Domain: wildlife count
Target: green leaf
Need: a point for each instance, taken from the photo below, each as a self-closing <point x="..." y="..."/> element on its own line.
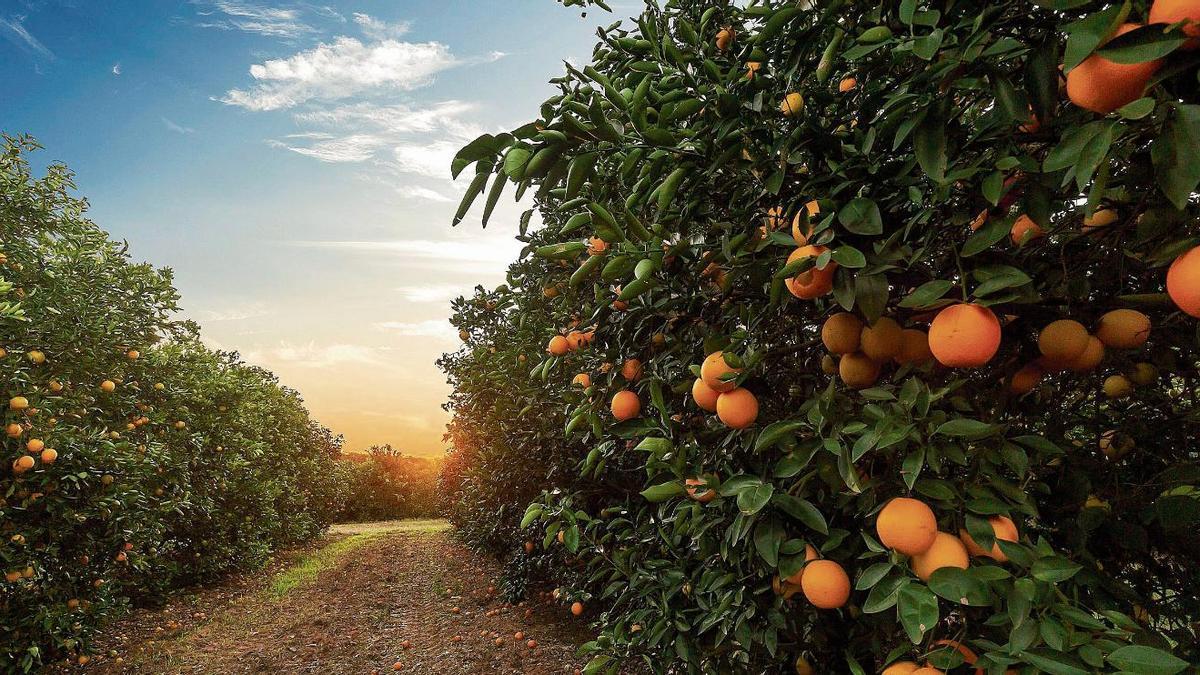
<point x="1053" y="569"/>
<point x="917" y="608"/>
<point x="775" y="432"/>
<point x="663" y="491"/>
<point x="927" y="294"/>
<point x="929" y="142"/>
<point x="861" y="216"/>
<point x="960" y="586"/>
<point x="1085" y="35"/>
<point x="514" y="162"/>
<point x="850" y="257"/>
<point x="1174" y="155"/>
<point x="752" y="500"/>
<point x="1142" y="44"/>
<point x="967" y="428"/>
<point x="1146" y="660"/>
<point x="802" y="510"/>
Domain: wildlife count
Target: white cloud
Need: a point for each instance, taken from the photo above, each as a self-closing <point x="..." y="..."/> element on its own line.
<point x="312" y="355"/>
<point x="14" y="30"/>
<point x="435" y="328"/>
<point x="251" y="18"/>
<point x="354" y="148"/>
<point x="438" y="293"/>
<point x="344" y="68"/>
<point x="418" y="192"/>
<point x="175" y="127"/>
<point x="430" y="159"/>
<point x="380" y="30"/>
<point x="395" y="119"/>
<point x="116" y="69"/>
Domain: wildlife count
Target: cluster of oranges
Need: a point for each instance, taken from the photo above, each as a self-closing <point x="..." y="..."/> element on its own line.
<point x="864" y="349"/>
<point x="716" y="390"/>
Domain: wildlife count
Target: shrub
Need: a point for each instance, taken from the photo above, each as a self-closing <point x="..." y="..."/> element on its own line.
<point x="383" y="484"/>
<point x="901" y="161"/>
<point x="135" y="459"/>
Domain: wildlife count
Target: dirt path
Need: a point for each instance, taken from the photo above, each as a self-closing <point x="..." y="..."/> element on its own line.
<point x="365" y="598"/>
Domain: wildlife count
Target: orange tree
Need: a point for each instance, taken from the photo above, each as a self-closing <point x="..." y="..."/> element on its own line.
<point x="134" y="459"/>
<point x="915" y="257"/>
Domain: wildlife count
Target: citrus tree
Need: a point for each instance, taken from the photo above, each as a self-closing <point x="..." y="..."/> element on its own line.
<point x="865" y="338"/>
<point x="134" y="459"/>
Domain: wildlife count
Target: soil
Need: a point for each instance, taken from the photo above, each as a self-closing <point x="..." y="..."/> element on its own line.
<point x="405" y="599"/>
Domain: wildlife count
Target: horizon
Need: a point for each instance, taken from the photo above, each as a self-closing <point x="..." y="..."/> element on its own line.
<point x="290" y="163"/>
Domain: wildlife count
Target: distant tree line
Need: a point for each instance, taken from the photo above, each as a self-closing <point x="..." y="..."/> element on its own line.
<point x="383" y="483"/>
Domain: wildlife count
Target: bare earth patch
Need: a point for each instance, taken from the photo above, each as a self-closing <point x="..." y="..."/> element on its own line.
<point x="369" y="596"/>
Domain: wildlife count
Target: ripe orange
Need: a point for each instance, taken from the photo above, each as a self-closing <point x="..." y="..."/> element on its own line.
<point x="18" y="403"/>
<point x="577" y="340"/>
<point x="576" y="608"/>
<point x="597" y="246"/>
<point x="631" y="370"/>
<point x="947" y="551"/>
<point x="558" y="346"/>
<point x="1117" y="386"/>
<point x="35" y="445"/>
<point x="1025" y="379"/>
<point x="1002" y="528"/>
<point x="462" y="335"/>
<point x="829" y="365"/>
<point x="1143" y="374"/>
<point x="1123" y="329"/>
<point x="1102" y="86"/>
<point x="914" y="347"/>
<point x="1063" y="340"/>
<point x="1101" y="218"/>
<point x="881" y="340"/>
<point x="906" y="525"/>
<point x="813" y="282"/>
<point x="713" y="368"/>
<point x="799" y="233"/>
<point x="582" y="379"/>
<point x="724" y="38"/>
<point x="108" y="386"/>
<point x="1183" y="281"/>
<point x="803" y="667"/>
<point x="900" y="668"/>
<point x="858" y="371"/>
<point x="964" y="336"/>
<point x="792" y="104"/>
<point x="841" y="333"/>
<point x="133" y="354"/>
<point x="1025" y="230"/>
<point x="1174" y="11"/>
<point x="625" y="405"/>
<point x="737" y="408"/>
<point x="696" y="490"/>
<point x="13" y="430"/>
<point x="704" y="395"/>
<point x="1091" y="356"/>
<point x="37" y="357"/>
<point x="23" y="464"/>
<point x="825" y="584"/>
<point x="55" y="386"/>
<point x="847" y="84"/>
<point x="49" y="456"/>
<point x="927" y="670"/>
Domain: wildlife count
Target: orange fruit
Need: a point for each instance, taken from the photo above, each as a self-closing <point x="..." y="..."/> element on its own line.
<point x="858" y="371"/>
<point x="1025" y="230"/>
<point x="1102" y="86"/>
<point x="724" y="38"/>
<point x="829" y="365"/>
<point x="576" y="608"/>
<point x="18" y="403"/>
<point x="1174" y="11"/>
<point x="1063" y="340"/>
<point x="800" y="233"/>
<point x="1117" y="386"/>
<point x="752" y="67"/>
<point x="13" y="430"/>
<point x="947" y="551"/>
<point x="964" y="336"/>
<point x="597" y="246"/>
<point x="738" y="408"/>
<point x="914" y="347"/>
<point x="1025" y="379"/>
<point x="792" y="104"/>
<point x="626" y="405"/>
<point x="881" y="340"/>
<point x="1123" y="329"/>
<point x="713" y="368"/>
<point x="133" y="354"/>
<point x="704" y="395"/>
<point x="813" y="282"/>
<point x="1091" y="356"/>
<point x="49" y="456"/>
<point x="1099" y="219"/>
<point x="558" y="346"/>
<point x="582" y="379"/>
<point x="697" y="490"/>
<point x="577" y="340"/>
<point x="847" y="84"/>
<point x="803" y="667"/>
<point x="631" y="370"/>
<point x="1143" y="374"/>
<point x="1183" y="282"/>
<point x="35" y="445"/>
<point x="841" y="332"/>
<point x="108" y="386"/>
<point x="900" y="668"/>
<point x="1002" y="528"/>
<point x="23" y="464"/>
<point x="825" y="584"/>
<point x="906" y="525"/>
<point x="927" y="670"/>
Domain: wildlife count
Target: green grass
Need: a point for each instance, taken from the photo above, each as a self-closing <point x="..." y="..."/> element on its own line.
<point x="385" y="526"/>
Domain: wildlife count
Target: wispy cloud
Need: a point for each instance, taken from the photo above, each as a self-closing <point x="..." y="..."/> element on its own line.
<point x="418" y="192"/>
<point x="353" y="148"/>
<point x="380" y="30"/>
<point x="432" y="293"/>
<point x="13" y="29"/>
<point x="234" y="313"/>
<point x="176" y="127"/>
<point x="251" y="18"/>
<point x="116" y="69"/>
<point x="435" y="328"/>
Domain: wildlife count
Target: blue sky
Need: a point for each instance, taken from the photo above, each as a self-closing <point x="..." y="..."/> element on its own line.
<point x="289" y="160"/>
